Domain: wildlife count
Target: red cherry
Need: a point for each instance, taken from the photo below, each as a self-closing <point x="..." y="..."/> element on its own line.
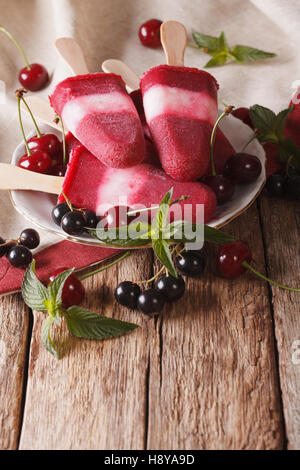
<point x="48" y="143"/>
<point x="35" y="78"/>
<point x="39" y="162"/>
<point x="58" y="170"/>
<point x="243" y="168"/>
<point x="149" y="33"/>
<point x="73" y="292"/>
<point x="230" y="259"/>
<point x="116" y="217"/>
<point x="221" y="186"/>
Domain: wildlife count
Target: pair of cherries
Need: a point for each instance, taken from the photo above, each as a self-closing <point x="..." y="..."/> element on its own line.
<point x="44" y="152"/>
<point x="241" y="168"/>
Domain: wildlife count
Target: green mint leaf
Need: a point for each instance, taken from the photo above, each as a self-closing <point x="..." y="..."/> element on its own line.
<point x="33" y="291"/>
<point x="53" y="311"/>
<point x="178" y="230"/>
<point x="249" y="54"/>
<point x="162" y="251"/>
<point x="135" y="234"/>
<point x="162" y="214"/>
<point x="203" y="41"/>
<point x="55" y="288"/>
<point x="218" y="60"/>
<point x="281" y="122"/>
<point x="287" y="149"/>
<point x="223" y="45"/>
<point x="46" y="338"/>
<point x="85" y="324"/>
<point x="264" y="120"/>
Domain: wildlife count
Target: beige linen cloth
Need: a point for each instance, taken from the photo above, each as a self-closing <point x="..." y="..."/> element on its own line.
<point x="108" y="29"/>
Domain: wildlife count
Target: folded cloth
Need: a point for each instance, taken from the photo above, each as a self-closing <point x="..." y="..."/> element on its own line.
<point x="63" y="254"/>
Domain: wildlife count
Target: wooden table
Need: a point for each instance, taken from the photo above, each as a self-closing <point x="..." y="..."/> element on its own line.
<point x="218" y="370"/>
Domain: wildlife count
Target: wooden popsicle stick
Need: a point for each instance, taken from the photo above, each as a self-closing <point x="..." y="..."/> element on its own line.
<point x="118" y="67"/>
<point x="42" y="111"/>
<point x="173" y="37"/>
<point x="13" y="177"/>
<point x="72" y="54"/>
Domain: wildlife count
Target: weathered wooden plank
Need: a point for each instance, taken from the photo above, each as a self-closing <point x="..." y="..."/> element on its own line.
<point x="213" y="378"/>
<point x="281" y="228"/>
<point x="14" y="321"/>
<point x="95" y="396"/>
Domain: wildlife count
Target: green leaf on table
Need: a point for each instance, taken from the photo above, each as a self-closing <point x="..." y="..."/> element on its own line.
<point x="33" y="291"/>
<point x="221" y="53"/>
<point x="211" y="43"/>
<point x="249" y="54"/>
<point x="162" y="250"/>
<point x="55" y="287"/>
<point x="85" y="324"/>
<point x="46" y="336"/>
<point x="179" y="230"/>
<point x="218" y="60"/>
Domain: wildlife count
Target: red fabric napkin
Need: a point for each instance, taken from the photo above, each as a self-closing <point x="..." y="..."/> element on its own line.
<point x="79" y="256"/>
<point x="63" y="254"/>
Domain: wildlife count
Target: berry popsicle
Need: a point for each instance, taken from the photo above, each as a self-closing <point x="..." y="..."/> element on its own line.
<point x="91" y="185"/>
<point x="181" y="108"/>
<point x="100" y="114"/>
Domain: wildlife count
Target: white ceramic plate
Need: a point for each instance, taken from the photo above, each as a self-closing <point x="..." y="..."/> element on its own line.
<point x="36" y="206"/>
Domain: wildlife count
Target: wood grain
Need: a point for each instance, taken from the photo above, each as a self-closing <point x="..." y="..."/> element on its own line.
<point x="14" y="321"/>
<point x="281" y="227"/>
<point x="213" y="380"/>
<point x="95" y="396"/>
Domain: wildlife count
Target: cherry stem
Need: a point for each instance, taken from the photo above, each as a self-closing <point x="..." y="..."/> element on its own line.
<point x="17" y="44"/>
<point x="22" y="128"/>
<point x="247" y="266"/>
<point x="38" y="132"/>
<point x="85" y="276"/>
<point x="64" y="139"/>
<point x="249" y="142"/>
<point x="227" y="111"/>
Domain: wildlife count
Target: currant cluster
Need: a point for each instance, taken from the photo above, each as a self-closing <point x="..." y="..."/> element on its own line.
<point x="18" y="251"/>
<point x="73" y="221"/>
<point x="284" y="184"/>
<point x="166" y="287"/>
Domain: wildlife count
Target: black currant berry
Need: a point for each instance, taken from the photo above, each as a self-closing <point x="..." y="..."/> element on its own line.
<point x="19" y="256"/>
<point x="73" y="223"/>
<point x="276" y="185"/>
<point x="5" y="248"/>
<point x="172" y="288"/>
<point x="150" y="301"/>
<point x="91" y="220"/>
<point x="59" y="211"/>
<point x="127" y="293"/>
<point x="292" y="186"/>
<point x="191" y="263"/>
<point x="29" y="238"/>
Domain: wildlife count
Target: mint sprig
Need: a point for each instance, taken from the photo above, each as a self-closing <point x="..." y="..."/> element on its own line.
<point x="270" y="128"/>
<point x="221" y="53"/>
<point x="80" y="322"/>
<point x="161" y="234"/>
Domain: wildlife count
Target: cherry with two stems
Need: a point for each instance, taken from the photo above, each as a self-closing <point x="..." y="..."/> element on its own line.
<point x="38" y="161"/>
<point x="33" y="77"/>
